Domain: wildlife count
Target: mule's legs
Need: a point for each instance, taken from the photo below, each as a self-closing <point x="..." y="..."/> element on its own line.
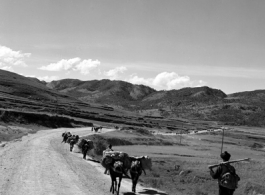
<point x="111" y="187"/>
<point x="135" y="182"/>
<point x="119" y="185"/>
<point x="84" y="153"/>
<point x="71" y="147"/>
<point x="114" y="186"/>
<point x="113" y="181"/>
<point x="135" y="178"/>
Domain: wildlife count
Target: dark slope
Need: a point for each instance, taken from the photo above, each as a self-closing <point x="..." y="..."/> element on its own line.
<point x="102" y="91"/>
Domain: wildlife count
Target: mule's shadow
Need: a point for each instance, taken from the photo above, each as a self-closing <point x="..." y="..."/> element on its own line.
<point x="147" y="192"/>
<point x="128" y="193"/>
<point x="93" y="160"/>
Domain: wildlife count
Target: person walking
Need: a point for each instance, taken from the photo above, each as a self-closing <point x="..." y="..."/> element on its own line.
<point x="226" y="175"/>
<point x="108" y="149"/>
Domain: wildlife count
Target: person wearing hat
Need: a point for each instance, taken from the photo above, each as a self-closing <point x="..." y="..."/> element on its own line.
<point x="220" y="171"/>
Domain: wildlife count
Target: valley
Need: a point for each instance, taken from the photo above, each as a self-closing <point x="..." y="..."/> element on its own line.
<point x="181" y="130"/>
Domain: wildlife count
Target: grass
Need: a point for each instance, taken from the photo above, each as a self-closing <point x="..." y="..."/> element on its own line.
<point x="183" y="169"/>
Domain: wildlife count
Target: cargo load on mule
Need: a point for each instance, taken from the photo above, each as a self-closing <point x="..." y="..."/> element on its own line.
<point x="146" y="161"/>
<point x="69" y="139"/>
<point x="81" y="142"/>
<point x="109" y="157"/>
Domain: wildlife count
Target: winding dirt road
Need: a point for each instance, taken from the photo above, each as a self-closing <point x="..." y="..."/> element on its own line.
<point x="40" y="164"/>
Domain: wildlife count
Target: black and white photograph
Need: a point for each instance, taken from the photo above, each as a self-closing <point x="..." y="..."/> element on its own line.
<point x="132" y="97"/>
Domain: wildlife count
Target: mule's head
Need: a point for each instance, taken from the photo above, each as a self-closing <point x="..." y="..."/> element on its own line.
<point x="146" y="162"/>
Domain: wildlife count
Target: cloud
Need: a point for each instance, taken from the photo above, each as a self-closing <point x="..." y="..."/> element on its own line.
<point x="74" y="64"/>
<point x="114" y="73"/>
<point x="48" y="78"/>
<point x="8" y="68"/>
<point x="166" y="81"/>
<point x="86" y="66"/>
<point x="62" y="65"/>
<point x="44" y="78"/>
<point x="138" y="80"/>
<point x="9" y="58"/>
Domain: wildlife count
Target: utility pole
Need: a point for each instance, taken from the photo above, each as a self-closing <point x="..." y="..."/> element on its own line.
<point x="222" y="140"/>
<point x="181" y="133"/>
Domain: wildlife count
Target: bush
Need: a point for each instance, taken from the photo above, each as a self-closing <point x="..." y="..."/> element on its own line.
<point x="99" y="147"/>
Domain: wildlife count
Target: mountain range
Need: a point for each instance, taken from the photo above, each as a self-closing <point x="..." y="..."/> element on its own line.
<point x="108" y="96"/>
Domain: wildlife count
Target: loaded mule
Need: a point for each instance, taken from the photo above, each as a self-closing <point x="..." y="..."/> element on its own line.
<point x="65" y="136"/>
<point x="87" y="146"/>
<point x="139" y="164"/>
<point x="96" y="129"/>
<point x="83" y="146"/>
<point x="73" y="140"/>
<point x="117" y="163"/>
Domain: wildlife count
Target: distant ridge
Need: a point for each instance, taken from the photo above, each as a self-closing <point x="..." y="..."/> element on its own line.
<point x="71" y="96"/>
<point x="204" y="103"/>
<point x="101" y="90"/>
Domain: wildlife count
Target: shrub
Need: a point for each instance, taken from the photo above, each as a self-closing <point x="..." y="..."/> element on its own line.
<point x="99" y="147"/>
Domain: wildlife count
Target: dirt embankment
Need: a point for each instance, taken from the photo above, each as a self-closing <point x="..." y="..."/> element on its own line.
<point x="51" y="121"/>
<point x="11" y="123"/>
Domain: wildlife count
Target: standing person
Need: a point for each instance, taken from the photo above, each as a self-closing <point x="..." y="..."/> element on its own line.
<point x="226" y="175"/>
<point x="108" y="149"/>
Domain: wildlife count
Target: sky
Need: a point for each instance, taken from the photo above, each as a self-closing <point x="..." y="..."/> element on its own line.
<point x="164" y="44"/>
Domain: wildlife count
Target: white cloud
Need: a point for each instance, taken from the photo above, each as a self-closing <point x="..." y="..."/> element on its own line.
<point x="166" y="81"/>
<point x="114" y="73"/>
<point x="8" y="68"/>
<point x="48" y="78"/>
<point x="74" y="64"/>
<point x="44" y="78"/>
<point x="138" y="80"/>
<point x="86" y="66"/>
<point x="9" y="58"/>
<point x="62" y="65"/>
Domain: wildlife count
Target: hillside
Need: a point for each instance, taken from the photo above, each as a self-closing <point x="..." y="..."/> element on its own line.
<point x="102" y="91"/>
<point x="203" y="103"/>
<point x="125" y="104"/>
<point x="27" y="101"/>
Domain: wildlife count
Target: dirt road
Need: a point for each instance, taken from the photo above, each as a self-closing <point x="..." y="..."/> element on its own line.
<point x="40" y="164"/>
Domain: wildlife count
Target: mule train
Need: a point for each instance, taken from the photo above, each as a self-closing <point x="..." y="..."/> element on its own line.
<point x="116" y="162"/>
<point x="78" y="145"/>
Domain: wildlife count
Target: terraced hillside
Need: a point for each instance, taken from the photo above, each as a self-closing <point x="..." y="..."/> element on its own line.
<point x="201" y="103"/>
<point x="28" y="102"/>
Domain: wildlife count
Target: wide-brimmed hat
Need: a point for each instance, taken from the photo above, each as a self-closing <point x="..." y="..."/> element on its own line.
<point x="225" y="156"/>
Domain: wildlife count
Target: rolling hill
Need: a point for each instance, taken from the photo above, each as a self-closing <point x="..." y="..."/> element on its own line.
<point x="203" y="103"/>
<point x="71" y="102"/>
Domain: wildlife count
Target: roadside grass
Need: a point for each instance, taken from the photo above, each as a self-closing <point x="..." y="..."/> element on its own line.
<point x="183" y="169"/>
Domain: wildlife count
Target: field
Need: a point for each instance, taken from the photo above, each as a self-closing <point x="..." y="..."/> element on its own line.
<point x="182" y="168"/>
